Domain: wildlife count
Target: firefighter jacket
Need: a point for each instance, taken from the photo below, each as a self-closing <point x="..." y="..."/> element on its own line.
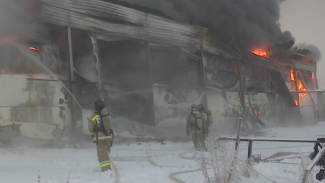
<point x="196" y="122"/>
<point x="95" y="128"/>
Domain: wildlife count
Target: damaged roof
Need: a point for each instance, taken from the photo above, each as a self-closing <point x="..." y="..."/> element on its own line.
<point x="107" y="20"/>
<point x="112" y="22"/>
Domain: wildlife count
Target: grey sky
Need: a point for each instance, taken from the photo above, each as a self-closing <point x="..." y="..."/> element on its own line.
<point x="305" y="19"/>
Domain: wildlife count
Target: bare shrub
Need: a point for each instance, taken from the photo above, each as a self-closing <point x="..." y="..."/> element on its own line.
<point x="221" y="159"/>
<point x="204" y="168"/>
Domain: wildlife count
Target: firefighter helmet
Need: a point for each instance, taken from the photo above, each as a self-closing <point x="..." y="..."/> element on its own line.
<point x="99" y="105"/>
<point x="194" y="107"/>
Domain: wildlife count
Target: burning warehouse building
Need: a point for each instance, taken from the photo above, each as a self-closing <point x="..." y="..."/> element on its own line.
<point x="150" y="62"/>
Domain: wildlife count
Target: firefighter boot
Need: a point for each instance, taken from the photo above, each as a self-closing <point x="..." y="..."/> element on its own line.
<point x="106" y="166"/>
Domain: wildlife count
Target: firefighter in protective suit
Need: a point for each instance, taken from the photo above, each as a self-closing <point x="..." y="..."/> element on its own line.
<point x="206" y="114"/>
<point x="195" y="124"/>
<point x="102" y="133"/>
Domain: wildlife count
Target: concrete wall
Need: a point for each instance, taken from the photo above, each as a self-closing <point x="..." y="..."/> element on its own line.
<point x="33" y="108"/>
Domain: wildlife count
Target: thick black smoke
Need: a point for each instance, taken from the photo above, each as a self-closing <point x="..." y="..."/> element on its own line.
<point x="246" y="23"/>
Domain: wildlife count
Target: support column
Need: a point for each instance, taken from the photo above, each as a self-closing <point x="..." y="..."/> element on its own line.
<point x="296" y="86"/>
<point x="204" y="81"/>
<point x="242" y="96"/>
<point x="323" y="105"/>
<point x="152" y="117"/>
<point x="315" y="80"/>
<point x="250" y="150"/>
<point x="149" y="65"/>
<point x="71" y="79"/>
<point x="241" y="90"/>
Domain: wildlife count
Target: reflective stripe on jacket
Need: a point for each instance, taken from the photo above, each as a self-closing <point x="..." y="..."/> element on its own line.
<point x="94" y="123"/>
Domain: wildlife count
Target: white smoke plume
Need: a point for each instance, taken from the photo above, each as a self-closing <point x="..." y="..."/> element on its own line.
<point x="314" y="53"/>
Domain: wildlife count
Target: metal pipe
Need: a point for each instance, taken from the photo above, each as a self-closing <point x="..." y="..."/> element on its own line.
<point x="236" y="147"/>
<point x="238" y="133"/>
<point x="250" y="150"/>
<point x="270" y="140"/>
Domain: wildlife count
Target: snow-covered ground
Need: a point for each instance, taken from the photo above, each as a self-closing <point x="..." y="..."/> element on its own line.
<point x="156" y="162"/>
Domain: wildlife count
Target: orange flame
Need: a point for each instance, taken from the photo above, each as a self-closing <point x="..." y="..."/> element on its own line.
<point x="300" y="87"/>
<point x="34" y="48"/>
<point x="296" y="102"/>
<point x="292" y="75"/>
<point x="261" y="53"/>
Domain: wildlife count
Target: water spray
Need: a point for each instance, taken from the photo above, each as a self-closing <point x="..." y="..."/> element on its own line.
<point x="98" y="65"/>
<point x="26" y="53"/>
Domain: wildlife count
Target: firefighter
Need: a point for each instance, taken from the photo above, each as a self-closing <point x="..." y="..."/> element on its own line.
<point x="102" y="133"/>
<point x="206" y="114"/>
<point x="195" y="124"/>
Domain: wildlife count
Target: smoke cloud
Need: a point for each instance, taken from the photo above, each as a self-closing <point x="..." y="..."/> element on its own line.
<point x="248" y="24"/>
<point x="313" y="52"/>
